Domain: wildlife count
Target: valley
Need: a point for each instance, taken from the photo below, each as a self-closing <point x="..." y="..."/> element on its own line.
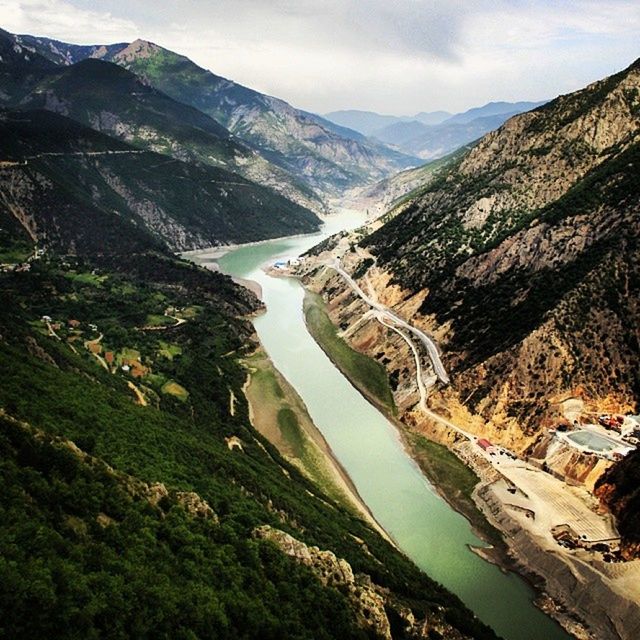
<point x="272" y="374"/>
<point x="420" y="277"/>
<point x="534" y="510"/>
<point x="410" y="510"/>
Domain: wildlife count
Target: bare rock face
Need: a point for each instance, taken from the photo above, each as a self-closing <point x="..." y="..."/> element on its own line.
<point x="196" y="506"/>
<point x="369" y="601"/>
<point x="335" y="572"/>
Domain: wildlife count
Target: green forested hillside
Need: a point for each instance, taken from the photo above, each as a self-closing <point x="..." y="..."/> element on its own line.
<point x="90" y="552"/>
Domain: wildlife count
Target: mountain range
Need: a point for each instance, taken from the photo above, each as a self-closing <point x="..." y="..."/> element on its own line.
<point x="323" y="156"/>
<point x="432" y="135"/>
<point x="136" y="498"/>
<point x="368" y="122"/>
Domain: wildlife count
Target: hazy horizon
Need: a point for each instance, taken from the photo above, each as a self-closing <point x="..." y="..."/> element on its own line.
<point x="397" y="59"/>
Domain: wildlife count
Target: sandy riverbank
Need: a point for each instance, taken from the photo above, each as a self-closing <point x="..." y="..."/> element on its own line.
<point x="280" y="415"/>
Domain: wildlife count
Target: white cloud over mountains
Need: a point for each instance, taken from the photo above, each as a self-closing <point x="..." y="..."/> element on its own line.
<point x="398" y="56"/>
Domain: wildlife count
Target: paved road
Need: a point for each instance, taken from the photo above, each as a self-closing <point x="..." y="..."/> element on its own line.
<point x="421" y="387"/>
<point x="109" y="152"/>
<point x="389" y="315"/>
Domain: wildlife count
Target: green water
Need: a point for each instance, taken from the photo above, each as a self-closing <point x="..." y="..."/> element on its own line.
<point x="424" y="526"/>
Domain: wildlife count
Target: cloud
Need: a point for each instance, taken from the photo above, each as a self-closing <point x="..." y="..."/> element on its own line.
<point x="64" y="21"/>
<point x="399" y="56"/>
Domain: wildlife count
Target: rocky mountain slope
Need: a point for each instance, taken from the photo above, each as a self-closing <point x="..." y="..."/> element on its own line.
<point x="110" y="99"/>
<point x="619" y="490"/>
<point x="386" y="198"/>
<point x="74" y="189"/>
<point x="524" y="257"/>
<point x="327" y="157"/>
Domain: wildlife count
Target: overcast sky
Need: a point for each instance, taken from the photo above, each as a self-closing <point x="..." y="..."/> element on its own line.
<point x="390" y="56"/>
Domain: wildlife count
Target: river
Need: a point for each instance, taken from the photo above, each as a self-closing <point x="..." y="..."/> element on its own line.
<point x="423" y="525"/>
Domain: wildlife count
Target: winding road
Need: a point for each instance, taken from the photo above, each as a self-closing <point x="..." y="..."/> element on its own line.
<point x="390" y="316"/>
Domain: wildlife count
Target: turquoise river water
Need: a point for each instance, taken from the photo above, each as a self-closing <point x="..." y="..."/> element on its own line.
<point x="423" y="525"/>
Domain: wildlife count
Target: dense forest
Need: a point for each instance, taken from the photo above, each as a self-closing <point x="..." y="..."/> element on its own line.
<point x="91" y="544"/>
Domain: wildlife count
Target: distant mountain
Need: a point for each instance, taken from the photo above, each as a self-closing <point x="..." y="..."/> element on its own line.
<point x="438" y="141"/>
<point x="80" y="191"/>
<point x="493" y="109"/>
<point x="435" y="141"/>
<point x="301" y="143"/>
<point x="402" y="133"/>
<point x="432" y="117"/>
<point x="366" y="122"/>
<point x="431" y="135"/>
<point x="525" y="255"/>
<point x="369" y="122"/>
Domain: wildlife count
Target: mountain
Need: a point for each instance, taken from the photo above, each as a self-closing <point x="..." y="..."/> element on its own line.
<point x="402" y="133"/>
<point x="138" y="501"/>
<point x="301" y="143"/>
<point x="75" y="189"/>
<point x="522" y="257"/>
<point x="432" y="117"/>
<point x="110" y="99"/>
<point x="431" y="135"/>
<point x="391" y="194"/>
<point x="493" y="109"/>
<point x="436" y="141"/>
<point x="368" y="122"/>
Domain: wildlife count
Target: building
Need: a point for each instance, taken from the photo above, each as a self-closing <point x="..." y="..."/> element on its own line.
<point x="485" y="445"/>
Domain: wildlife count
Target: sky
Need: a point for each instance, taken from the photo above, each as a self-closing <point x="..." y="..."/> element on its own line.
<point x="390" y="56"/>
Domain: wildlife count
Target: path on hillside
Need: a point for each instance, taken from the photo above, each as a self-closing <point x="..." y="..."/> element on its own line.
<point x="108" y="152"/>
